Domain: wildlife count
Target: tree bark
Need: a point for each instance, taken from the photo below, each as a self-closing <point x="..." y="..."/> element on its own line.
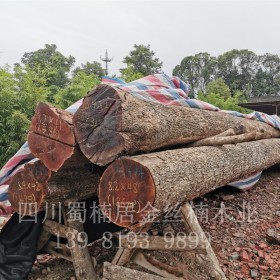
<point x="51" y="138"/>
<point x="112" y="122"/>
<point x="37" y="188"/>
<point x="116" y="272"/>
<point x="132" y="185"/>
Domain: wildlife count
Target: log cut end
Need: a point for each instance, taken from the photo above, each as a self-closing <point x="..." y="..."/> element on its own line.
<point x="126" y="192"/>
<point x="100" y="106"/>
<point x="51" y="137"/>
<point x="28" y="188"/>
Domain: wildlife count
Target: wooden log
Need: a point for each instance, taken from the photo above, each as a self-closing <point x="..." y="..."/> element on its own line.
<point x="83" y="264"/>
<point x="185" y="243"/>
<point x="61" y="251"/>
<point x="51" y="138"/>
<point x="208" y="262"/>
<point x="36" y="187"/>
<point x="223" y="140"/>
<point x="144" y="185"/>
<point x="124" y="255"/>
<point x="156" y="266"/>
<point x="112" y="122"/>
<point x="116" y="272"/>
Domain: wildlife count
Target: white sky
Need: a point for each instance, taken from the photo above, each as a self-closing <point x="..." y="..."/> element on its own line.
<point x="174" y="29"/>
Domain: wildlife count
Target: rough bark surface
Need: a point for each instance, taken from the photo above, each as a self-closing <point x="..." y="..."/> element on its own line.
<point x="36" y="187"/>
<point x="51" y="137"/>
<point x="81" y="259"/>
<point x="116" y="272"/>
<point x="207" y="263"/>
<point x="179" y="175"/>
<point x="112" y="122"/>
<point x="158" y="267"/>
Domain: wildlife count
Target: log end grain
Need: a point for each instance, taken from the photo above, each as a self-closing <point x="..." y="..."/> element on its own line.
<point x="28" y="188"/>
<point x="51" y="152"/>
<point x="100" y="106"/>
<point x="126" y="192"/>
<point x="51" y="136"/>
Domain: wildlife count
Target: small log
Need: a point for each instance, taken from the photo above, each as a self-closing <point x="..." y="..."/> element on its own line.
<point x="208" y="263"/>
<point x="116" y="272"/>
<point x="36" y="187"/>
<point x="60" y="250"/>
<point x="154" y="265"/>
<point x="224" y="140"/>
<point x="59" y="230"/>
<point x="83" y="264"/>
<point x="112" y="122"/>
<point x="142" y="186"/>
<point x="51" y="137"/>
<point x="185" y="243"/>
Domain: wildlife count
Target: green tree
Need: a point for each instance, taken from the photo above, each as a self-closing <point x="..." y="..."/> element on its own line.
<point x="238" y="68"/>
<point x="51" y="64"/>
<point x="80" y="84"/>
<point x="267" y="81"/>
<point x="218" y="94"/>
<point x="13" y="123"/>
<point x="31" y="89"/>
<point x="94" y="68"/>
<point x="219" y="87"/>
<point x="198" y="70"/>
<point x="128" y="75"/>
<point x="142" y="60"/>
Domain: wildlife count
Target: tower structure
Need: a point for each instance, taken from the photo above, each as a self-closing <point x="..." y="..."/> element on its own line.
<point x="106" y="59"/>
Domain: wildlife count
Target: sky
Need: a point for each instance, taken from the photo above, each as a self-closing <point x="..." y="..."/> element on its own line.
<point x="174" y="29"/>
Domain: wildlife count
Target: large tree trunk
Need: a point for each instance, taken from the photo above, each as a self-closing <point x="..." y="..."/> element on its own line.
<point x="132" y="185"/>
<point x="51" y="138"/>
<point x="112" y="122"/>
<point x="36" y="187"/>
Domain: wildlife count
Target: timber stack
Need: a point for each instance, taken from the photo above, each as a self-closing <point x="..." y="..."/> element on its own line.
<point x="130" y="152"/>
<point x="137" y="158"/>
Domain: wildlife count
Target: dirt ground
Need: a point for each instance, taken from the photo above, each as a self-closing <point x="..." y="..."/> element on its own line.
<point x="236" y="222"/>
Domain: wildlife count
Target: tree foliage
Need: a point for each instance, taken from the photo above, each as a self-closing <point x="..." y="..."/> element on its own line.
<point x="128" y="75"/>
<point x="42" y="76"/>
<point x="80" y="84"/>
<point x="94" y="68"/>
<point x="242" y="70"/>
<point x="50" y="64"/>
<point x="219" y="94"/>
<point x="142" y="60"/>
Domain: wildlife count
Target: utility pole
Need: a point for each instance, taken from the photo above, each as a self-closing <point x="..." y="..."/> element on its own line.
<point x="106" y="60"/>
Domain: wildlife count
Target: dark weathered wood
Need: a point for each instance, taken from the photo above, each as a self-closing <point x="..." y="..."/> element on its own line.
<point x="60" y="251"/>
<point x="175" y="176"/>
<point x="36" y="187"/>
<point x="51" y="137"/>
<point x="116" y="272"/>
<point x="112" y="122"/>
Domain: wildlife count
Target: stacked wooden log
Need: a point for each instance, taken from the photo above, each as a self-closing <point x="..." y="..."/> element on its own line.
<point x="152" y="154"/>
<point x="137" y="158"/>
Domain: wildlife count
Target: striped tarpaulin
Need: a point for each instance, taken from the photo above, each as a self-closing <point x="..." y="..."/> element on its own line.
<point x="158" y="88"/>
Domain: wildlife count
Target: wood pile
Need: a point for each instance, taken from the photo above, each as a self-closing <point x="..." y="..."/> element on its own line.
<point x="150" y="153"/>
<point x="136" y="156"/>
